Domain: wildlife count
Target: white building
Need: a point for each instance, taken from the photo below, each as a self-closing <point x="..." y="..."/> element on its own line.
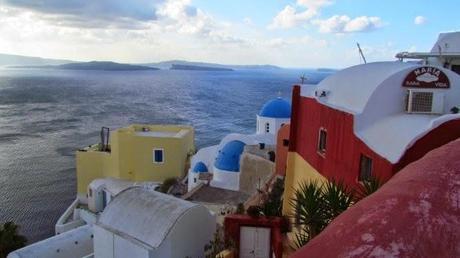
<point x="145" y="223"/>
<point x="137" y="222"/>
<point x="223" y="160"/>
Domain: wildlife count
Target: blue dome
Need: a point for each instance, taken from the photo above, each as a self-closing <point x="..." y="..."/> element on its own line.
<point x="276" y="108"/>
<point x="200" y="167"/>
<point x="228" y="157"/>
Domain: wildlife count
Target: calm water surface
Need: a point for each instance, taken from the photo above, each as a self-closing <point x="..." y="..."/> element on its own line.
<point x="45" y="115"/>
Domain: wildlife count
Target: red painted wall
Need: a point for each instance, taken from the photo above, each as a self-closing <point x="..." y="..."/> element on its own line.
<point x="344" y="149"/>
<point x="281" y="150"/>
<point x="233" y="223"/>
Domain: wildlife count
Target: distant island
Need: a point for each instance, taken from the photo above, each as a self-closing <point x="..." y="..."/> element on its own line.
<point x="171" y="63"/>
<point x="104" y="66"/>
<point x="93" y="65"/>
<point x="198" y="68"/>
<point x="18" y="61"/>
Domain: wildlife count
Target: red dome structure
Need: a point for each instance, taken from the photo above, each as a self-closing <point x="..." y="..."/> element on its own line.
<point x="415" y="214"/>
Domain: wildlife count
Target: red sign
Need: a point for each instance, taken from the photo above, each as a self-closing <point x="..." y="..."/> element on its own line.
<point x="427" y="77"/>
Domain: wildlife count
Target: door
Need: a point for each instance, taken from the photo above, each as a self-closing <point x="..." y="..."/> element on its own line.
<point x="254" y="242"/>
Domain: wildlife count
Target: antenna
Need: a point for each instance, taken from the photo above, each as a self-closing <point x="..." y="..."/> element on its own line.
<point x="303" y="78"/>
<point x="361" y="53"/>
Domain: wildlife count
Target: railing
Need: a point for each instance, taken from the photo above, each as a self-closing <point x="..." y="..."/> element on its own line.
<point x="68" y="219"/>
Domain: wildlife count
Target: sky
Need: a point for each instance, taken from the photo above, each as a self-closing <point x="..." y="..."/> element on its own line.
<point x="288" y="33"/>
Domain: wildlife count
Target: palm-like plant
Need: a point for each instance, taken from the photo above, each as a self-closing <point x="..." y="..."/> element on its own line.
<point x="337" y="198"/>
<point x="368" y="187"/>
<point x="316" y="205"/>
<point x="10" y="239"/>
<point x="310" y="211"/>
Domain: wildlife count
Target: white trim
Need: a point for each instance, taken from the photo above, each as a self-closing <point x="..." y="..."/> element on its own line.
<point x="322" y="152"/>
<point x="162" y="155"/>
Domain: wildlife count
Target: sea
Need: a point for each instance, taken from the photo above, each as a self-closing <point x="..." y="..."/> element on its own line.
<point x="46" y="115"/>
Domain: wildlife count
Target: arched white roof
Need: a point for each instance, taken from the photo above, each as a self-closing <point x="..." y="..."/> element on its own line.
<point x="373" y="93"/>
<point x="350" y="89"/>
<point x="114" y="185"/>
<point x="145" y="216"/>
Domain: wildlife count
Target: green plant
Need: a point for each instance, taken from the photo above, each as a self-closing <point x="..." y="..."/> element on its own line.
<point x="168" y="183"/>
<point x="316" y="205"/>
<point x="240" y="208"/>
<point x="254" y="211"/>
<point x="274" y="203"/>
<point x="310" y="211"/>
<point x="217" y="245"/>
<point x="337" y="198"/>
<point x="368" y="187"/>
<point x="10" y="239"/>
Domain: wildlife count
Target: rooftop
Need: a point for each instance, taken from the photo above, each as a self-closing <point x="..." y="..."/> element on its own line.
<point x="209" y="194"/>
<point x="155" y="215"/>
<point x="276" y="108"/>
<point x="415" y="214"/>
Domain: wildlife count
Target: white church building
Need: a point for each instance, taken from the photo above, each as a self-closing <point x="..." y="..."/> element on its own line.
<point x="223" y="160"/>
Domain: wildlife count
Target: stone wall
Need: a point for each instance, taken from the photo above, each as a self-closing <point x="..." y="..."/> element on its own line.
<point x="255" y="172"/>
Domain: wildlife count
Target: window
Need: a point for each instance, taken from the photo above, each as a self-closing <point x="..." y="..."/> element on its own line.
<point x="267" y="127"/>
<point x="365" y="168"/>
<point x="456" y="68"/>
<point x="158" y="155"/>
<point x="322" y="141"/>
<point x="285" y="142"/>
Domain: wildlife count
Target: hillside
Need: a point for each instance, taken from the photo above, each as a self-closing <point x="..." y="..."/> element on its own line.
<point x="17" y="60"/>
<point x="198" y="68"/>
<point x="104" y="66"/>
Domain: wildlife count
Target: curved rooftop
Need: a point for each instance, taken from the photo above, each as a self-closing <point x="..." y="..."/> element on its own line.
<point x="276" y="108"/>
<point x="350" y="89"/>
<point x="200" y="167"/>
<point x="228" y="158"/>
<point x="155" y="216"/>
<point x="415" y="214"/>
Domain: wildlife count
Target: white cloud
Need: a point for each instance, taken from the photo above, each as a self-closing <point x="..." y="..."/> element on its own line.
<point x="340" y="24"/>
<point x="420" y="20"/>
<point x="90" y="14"/>
<point x="290" y="16"/>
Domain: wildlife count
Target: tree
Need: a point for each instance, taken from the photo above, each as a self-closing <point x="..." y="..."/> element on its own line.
<point x="274" y="203"/>
<point x="10" y="239"/>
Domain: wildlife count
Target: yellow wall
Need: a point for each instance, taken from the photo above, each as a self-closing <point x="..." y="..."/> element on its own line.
<point x="90" y="165"/>
<point x="131" y="156"/>
<point x="298" y="170"/>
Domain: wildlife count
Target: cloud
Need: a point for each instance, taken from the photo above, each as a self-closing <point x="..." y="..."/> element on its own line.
<point x="83" y="13"/>
<point x="420" y="20"/>
<point x="340" y="24"/>
<point x="290" y="16"/>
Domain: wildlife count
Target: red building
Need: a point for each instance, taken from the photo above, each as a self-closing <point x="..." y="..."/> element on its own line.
<point x="370" y="120"/>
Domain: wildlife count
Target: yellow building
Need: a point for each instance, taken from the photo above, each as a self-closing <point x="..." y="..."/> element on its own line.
<point x="137" y="153"/>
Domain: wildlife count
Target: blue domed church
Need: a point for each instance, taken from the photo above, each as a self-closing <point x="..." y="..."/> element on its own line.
<point x="272" y="116"/>
<point x="223" y="160"/>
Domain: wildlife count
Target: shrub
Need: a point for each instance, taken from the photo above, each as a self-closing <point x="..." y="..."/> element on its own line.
<point x="10" y="239"/>
<point x="274" y="203"/>
<point x="168" y="183"/>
